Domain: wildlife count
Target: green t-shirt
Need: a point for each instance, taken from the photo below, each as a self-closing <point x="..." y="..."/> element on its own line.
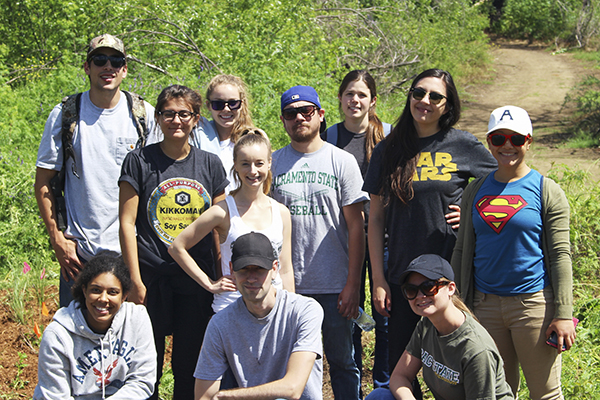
<point x="464" y="365"/>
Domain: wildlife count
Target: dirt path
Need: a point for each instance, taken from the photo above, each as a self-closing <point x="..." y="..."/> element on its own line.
<point x="537" y="81"/>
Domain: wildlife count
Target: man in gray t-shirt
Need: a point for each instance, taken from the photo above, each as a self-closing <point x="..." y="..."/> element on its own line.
<point x="321" y="185"/>
<point x="271" y="339"/>
<point x="104" y="134"/>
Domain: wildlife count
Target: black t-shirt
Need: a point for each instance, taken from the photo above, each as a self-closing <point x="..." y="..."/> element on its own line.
<point x="448" y="160"/>
<point x="172" y="194"/>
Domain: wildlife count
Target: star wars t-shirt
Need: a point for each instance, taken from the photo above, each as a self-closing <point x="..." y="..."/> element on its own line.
<point x="447" y="161"/>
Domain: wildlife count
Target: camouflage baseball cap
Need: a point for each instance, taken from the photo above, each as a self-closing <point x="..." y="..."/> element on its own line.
<point x="106" y="41"/>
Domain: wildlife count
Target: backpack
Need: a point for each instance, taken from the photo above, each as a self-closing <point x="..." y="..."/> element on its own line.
<point x="70" y="117"/>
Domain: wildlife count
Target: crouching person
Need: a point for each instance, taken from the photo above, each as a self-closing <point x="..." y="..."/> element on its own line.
<point x="459" y="358"/>
<point x="271" y="339"/>
<point x="99" y="346"/>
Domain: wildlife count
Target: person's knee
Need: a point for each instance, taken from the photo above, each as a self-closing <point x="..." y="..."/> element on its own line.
<point x="380" y="394"/>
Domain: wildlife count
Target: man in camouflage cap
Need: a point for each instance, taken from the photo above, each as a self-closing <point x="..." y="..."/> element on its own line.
<point x="105" y="131"/>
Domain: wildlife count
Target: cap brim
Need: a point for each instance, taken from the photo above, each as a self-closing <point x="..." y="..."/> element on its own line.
<point x="244" y="261"/>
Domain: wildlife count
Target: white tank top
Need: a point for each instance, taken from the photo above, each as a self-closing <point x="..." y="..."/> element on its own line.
<point x="237" y="228"/>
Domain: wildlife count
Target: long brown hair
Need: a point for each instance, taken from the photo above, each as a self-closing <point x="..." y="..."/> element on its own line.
<point x="244" y="120"/>
<point x="374" y="133"/>
<point x="401" y="152"/>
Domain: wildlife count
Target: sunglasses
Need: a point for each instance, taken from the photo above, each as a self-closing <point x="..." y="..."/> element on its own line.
<point x="100" y="60"/>
<point x="219" y="105"/>
<point x="169" y="115"/>
<point x="306" y="111"/>
<point x="428" y="288"/>
<point x="420" y="93"/>
<point x="498" y="139"/>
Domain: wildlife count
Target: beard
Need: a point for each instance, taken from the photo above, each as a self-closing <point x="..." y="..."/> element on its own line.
<point x="303" y="132"/>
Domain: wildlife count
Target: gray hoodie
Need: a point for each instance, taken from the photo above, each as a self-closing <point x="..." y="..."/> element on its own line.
<point x="76" y="363"/>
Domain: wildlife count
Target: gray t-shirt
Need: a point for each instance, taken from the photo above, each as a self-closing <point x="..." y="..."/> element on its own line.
<point x="101" y="141"/>
<point x="258" y="350"/>
<point x="315" y="187"/>
<point x="463" y="365"/>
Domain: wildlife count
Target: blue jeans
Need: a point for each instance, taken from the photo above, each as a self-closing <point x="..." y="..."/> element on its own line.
<point x="337" y="345"/>
<point x="380" y="394"/>
<point x="381" y="375"/>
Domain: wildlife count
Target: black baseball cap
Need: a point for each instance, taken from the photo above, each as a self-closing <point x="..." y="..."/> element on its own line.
<point x="252" y="249"/>
<point x="431" y="266"/>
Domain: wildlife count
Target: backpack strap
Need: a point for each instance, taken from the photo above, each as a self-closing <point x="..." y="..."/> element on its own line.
<point x="332" y="135"/>
<point x="135" y="102"/>
<point x="70" y="116"/>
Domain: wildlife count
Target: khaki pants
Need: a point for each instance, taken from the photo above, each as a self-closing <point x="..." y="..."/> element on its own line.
<point x="518" y="326"/>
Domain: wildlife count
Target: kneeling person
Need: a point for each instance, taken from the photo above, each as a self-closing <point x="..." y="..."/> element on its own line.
<point x="270" y="338"/>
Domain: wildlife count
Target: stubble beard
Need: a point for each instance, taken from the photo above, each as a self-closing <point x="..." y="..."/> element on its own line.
<point x="303" y="136"/>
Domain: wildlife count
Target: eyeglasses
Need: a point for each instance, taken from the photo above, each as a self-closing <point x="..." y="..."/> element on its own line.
<point x="428" y="288"/>
<point x="219" y="105"/>
<point x="101" y="59"/>
<point x="420" y="93"/>
<point x="306" y="111"/>
<point x="169" y="115"/>
<point x="498" y="139"/>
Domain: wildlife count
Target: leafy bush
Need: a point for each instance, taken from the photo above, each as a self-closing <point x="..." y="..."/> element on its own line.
<point x="538" y="19"/>
<point x="586" y="98"/>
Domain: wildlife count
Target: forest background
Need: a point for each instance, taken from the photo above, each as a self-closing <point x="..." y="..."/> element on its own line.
<point x="273" y="45"/>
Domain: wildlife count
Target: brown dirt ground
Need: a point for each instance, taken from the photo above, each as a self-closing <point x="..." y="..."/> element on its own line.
<point x="538" y="81"/>
<point x="525" y="76"/>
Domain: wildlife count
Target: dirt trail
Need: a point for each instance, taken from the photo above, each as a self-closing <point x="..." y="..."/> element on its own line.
<point x="537" y="81"/>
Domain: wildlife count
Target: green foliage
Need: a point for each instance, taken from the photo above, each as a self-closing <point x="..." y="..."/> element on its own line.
<point x="539" y="19"/>
<point x="581" y="365"/>
<point x="586" y="97"/>
<point x="584" y="199"/>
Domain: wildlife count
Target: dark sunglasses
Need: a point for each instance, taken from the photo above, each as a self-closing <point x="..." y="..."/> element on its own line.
<point x="498" y="139"/>
<point x="100" y="60"/>
<point x="169" y="115"/>
<point x="306" y="111"/>
<point x="219" y="105"/>
<point x="428" y="288"/>
<point x="420" y="93"/>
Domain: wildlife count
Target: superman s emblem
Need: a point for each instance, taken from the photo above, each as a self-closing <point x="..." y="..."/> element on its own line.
<point x="496" y="211"/>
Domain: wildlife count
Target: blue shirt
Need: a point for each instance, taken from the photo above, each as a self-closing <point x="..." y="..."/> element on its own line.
<point x="507" y="218"/>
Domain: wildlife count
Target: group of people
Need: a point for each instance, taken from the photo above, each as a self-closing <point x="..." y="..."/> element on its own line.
<point x="255" y="262"/>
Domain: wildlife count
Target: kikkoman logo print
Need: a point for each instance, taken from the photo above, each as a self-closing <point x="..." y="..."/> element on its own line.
<point x="174" y="205"/>
<point x="496" y="211"/>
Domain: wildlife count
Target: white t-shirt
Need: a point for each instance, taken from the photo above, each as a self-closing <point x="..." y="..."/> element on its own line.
<point x="101" y="141"/>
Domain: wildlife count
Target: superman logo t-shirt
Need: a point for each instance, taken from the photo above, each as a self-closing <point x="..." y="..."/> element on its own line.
<point x="507" y="219"/>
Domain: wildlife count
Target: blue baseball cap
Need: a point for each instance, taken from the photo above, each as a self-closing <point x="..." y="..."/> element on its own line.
<point x="300" y="93"/>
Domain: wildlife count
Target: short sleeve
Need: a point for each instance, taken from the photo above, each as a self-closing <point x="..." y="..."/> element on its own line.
<point x="309" y="329"/>
<point x="481" y="161"/>
<point x="372" y="183"/>
<point x="480" y="375"/>
<point x="416" y="341"/>
<point x="212" y="361"/>
<point x="218" y="175"/>
<point x="50" y="153"/>
<point x="350" y="178"/>
<point x="131" y="170"/>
